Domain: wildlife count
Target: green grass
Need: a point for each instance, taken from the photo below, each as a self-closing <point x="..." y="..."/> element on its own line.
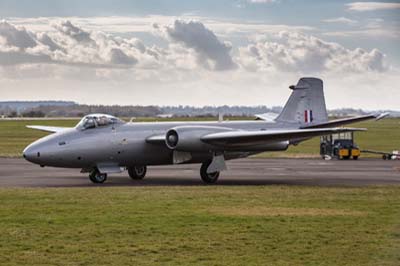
<point x="218" y="225"/>
<point x="248" y="225"/>
<point x="382" y="135"/>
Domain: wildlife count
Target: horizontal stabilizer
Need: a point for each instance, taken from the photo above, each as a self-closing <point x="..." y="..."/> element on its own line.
<point x="349" y="120"/>
<point x="48" y="128"/>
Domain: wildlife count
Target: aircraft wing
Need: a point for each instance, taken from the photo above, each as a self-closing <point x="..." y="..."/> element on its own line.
<point x="350" y="120"/>
<point x="241" y="138"/>
<point x="48" y="128"/>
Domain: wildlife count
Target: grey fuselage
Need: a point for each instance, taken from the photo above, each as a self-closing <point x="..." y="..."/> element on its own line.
<point x="125" y="144"/>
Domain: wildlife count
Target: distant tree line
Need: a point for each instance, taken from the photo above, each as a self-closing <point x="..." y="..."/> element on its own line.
<point x="70" y="109"/>
<point x="79" y="110"/>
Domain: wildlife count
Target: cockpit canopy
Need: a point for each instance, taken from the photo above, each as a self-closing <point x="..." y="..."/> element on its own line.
<point x="98" y="120"/>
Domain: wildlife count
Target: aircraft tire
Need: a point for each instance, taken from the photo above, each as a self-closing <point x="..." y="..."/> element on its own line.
<point x="96" y="177"/>
<point x="355" y="157"/>
<point x="137" y="172"/>
<point x="208" y="178"/>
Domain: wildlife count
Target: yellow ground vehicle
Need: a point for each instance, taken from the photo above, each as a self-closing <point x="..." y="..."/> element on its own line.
<point x="340" y="146"/>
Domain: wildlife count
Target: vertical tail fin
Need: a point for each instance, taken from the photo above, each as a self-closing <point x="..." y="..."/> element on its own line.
<point x="306" y="104"/>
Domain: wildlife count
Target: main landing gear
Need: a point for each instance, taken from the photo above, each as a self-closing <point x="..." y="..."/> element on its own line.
<point x="208" y="178"/>
<point x="137" y="172"/>
<point x="96" y="177"/>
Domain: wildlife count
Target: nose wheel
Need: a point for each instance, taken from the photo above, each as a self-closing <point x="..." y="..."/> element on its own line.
<point x="137" y="172"/>
<point x="96" y="177"/>
<point x="208" y="178"/>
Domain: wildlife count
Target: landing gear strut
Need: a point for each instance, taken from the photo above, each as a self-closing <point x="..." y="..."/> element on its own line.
<point x="96" y="177"/>
<point x="208" y="178"/>
<point x="137" y="172"/>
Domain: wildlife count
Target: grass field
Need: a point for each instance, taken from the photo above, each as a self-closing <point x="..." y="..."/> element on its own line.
<point x="205" y="225"/>
<point x="264" y="225"/>
<point x="382" y="135"/>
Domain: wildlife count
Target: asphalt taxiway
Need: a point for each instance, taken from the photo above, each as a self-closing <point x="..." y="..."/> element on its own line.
<point x="313" y="172"/>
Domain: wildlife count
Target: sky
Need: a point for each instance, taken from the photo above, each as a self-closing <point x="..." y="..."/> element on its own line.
<point x="159" y="52"/>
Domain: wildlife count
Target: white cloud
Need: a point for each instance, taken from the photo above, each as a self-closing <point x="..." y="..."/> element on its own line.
<point x="261" y="1"/>
<point x="371" y="28"/>
<point x="69" y="44"/>
<point x="340" y="20"/>
<point x="56" y="59"/>
<point x="296" y="52"/>
<point x="375" y="23"/>
<point x="74" y="32"/>
<point x="190" y="45"/>
<point x="126" y="26"/>
<point x="16" y="37"/>
<point x="367" y="33"/>
<point x="371" y="6"/>
<point x="211" y="52"/>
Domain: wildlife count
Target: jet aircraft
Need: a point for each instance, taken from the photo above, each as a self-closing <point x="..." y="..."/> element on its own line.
<point x="102" y="144"/>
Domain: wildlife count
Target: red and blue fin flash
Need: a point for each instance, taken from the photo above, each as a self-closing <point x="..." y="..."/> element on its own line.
<point x="308" y="116"/>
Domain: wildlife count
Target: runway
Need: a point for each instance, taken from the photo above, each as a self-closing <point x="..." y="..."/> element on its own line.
<point x="312" y="172"/>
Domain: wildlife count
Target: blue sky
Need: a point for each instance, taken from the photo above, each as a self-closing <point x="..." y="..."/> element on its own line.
<point x="281" y="11"/>
<point x="287" y="8"/>
<point x="244" y="39"/>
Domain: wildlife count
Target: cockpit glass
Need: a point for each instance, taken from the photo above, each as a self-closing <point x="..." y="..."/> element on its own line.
<point x="98" y="120"/>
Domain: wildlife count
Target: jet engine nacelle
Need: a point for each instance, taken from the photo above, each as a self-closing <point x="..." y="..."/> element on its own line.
<point x="188" y="138"/>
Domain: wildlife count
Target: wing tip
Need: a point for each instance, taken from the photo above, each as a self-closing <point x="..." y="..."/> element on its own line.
<point x="381" y="116"/>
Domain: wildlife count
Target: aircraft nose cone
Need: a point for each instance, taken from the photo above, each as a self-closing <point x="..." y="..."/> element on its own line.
<point x="31" y="153"/>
